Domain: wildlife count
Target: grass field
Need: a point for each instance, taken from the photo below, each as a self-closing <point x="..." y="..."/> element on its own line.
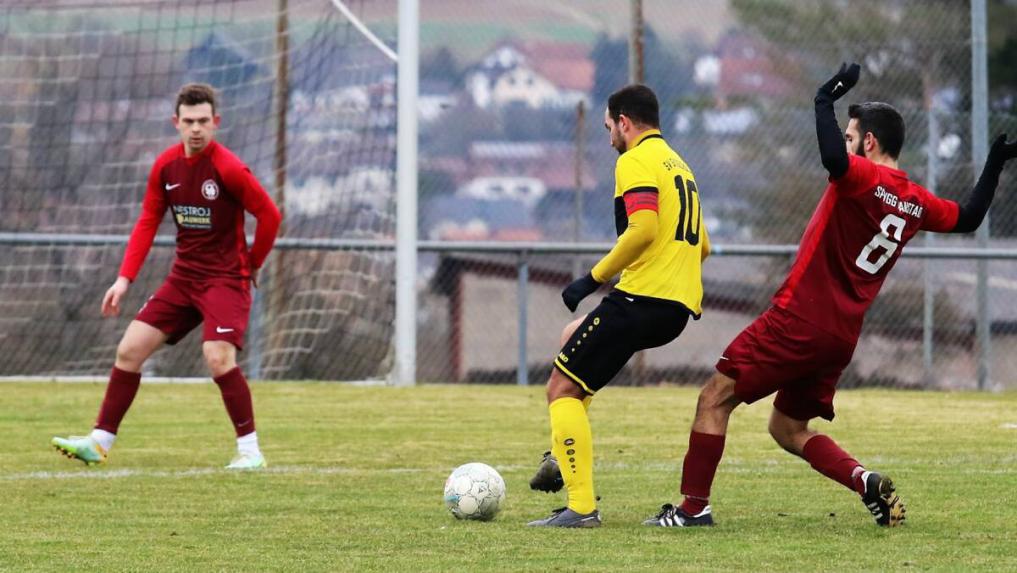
<point x="356" y="475"/>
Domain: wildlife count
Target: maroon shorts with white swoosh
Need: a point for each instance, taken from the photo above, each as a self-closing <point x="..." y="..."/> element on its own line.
<point x="179" y="305"/>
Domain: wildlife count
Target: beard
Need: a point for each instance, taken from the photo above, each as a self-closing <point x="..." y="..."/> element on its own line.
<point x="860" y="148"/>
<point x="619" y="145"/>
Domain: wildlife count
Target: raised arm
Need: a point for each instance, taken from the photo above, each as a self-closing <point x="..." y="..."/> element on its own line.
<point x="972" y="212"/>
<point x="832" y="149"/>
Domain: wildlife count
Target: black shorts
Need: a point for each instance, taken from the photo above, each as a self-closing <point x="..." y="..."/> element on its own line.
<point x="620" y="326"/>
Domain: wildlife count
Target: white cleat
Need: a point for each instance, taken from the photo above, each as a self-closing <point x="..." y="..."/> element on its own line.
<point x="247" y="462"/>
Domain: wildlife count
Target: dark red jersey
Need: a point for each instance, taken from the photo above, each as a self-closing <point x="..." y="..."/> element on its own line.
<point x="852" y="241"/>
<point x="207" y="195"/>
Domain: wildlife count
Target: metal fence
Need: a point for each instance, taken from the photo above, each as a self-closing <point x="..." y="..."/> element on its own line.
<point x="491" y="312"/>
<point x="736" y="85"/>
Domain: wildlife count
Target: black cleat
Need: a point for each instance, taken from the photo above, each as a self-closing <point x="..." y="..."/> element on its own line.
<point x="673" y="516"/>
<point x="565" y="517"/>
<point x="548" y="477"/>
<point x="879" y="498"/>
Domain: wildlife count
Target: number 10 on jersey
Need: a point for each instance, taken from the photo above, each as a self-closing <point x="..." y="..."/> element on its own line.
<point x="689" y="211"/>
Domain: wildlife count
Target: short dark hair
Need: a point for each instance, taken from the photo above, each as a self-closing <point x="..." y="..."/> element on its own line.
<point x="194" y="94"/>
<point x="637" y="102"/>
<point x="885" y="123"/>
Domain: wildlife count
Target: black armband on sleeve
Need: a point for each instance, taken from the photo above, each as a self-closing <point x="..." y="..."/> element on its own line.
<point x="973" y="211"/>
<point x="831" y="141"/>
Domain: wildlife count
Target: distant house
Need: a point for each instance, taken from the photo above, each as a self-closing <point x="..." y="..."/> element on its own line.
<point x="434" y="99"/>
<point x="363" y="187"/>
<point x="498" y="181"/>
<point x="523" y="85"/>
<point x="538" y="76"/>
<point x="551" y="162"/>
<point x="462" y="217"/>
<point x="527" y="190"/>
<point x="745" y="70"/>
<point x="740" y="71"/>
<point x="456" y="167"/>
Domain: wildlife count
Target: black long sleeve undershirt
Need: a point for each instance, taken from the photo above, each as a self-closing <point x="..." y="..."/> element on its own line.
<point x="973" y="211"/>
<point x="834" y="156"/>
<point x="832" y="150"/>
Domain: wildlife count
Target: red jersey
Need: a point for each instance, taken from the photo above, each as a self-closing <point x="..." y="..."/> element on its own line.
<point x="853" y="240"/>
<point x="207" y="195"/>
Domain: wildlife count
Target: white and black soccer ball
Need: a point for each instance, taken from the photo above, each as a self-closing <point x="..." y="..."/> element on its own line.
<point x="474" y="491"/>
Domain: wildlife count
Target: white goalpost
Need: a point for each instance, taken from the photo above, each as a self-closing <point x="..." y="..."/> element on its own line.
<point x="406" y="214"/>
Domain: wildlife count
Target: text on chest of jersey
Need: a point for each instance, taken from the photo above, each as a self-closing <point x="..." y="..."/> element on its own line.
<point x="193" y="217"/>
<point x="905" y="207"/>
<point x="675" y="162"/>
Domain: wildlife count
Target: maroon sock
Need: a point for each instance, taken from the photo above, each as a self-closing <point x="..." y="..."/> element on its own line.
<point x="120" y="392"/>
<point x="827" y="458"/>
<point x="701" y="461"/>
<point x="237" y="397"/>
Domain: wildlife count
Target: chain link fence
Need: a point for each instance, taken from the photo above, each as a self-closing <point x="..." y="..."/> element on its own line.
<point x="519" y="153"/>
<point x="512" y="149"/>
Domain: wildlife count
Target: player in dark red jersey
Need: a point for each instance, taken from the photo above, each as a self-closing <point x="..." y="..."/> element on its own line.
<point x="799" y="347"/>
<point x="207" y="189"/>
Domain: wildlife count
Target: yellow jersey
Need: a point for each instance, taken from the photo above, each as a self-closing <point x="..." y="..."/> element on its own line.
<point x="671" y="267"/>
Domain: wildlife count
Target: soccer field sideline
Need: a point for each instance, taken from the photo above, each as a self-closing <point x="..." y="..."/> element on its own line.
<point x="355" y="478"/>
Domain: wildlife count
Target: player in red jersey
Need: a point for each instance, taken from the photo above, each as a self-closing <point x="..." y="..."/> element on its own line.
<point x="799" y="347"/>
<point x="207" y="189"/>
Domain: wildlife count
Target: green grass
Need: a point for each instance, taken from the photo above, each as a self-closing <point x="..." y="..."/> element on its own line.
<point x="356" y="474"/>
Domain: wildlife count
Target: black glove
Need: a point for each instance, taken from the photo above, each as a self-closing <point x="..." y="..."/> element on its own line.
<point x="1001" y="151"/>
<point x="841" y="83"/>
<point x="578" y="290"/>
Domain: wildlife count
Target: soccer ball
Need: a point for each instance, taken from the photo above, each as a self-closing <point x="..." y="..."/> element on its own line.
<point x="474" y="491"/>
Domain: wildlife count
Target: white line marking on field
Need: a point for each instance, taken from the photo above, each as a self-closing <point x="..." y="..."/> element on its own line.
<point x="194" y="472"/>
<point x="1009" y="426"/>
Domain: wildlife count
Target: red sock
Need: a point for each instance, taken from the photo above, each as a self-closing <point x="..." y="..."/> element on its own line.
<point x="827" y="458"/>
<point x="237" y="397"/>
<point x="701" y="461"/>
<point x="120" y="392"/>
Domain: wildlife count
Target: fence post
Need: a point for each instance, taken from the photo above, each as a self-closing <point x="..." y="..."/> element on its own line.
<point x="522" y="299"/>
<point x="979" y="151"/>
<point x="928" y="291"/>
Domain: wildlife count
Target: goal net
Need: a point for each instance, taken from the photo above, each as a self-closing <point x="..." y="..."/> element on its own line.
<point x="307" y="92"/>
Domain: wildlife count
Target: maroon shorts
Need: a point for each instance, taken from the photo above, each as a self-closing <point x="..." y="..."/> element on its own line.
<point x="224" y="305"/>
<point x="782" y="353"/>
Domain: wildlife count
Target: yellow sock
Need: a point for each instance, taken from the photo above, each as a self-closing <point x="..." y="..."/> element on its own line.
<point x="586" y="406"/>
<point x="572" y="444"/>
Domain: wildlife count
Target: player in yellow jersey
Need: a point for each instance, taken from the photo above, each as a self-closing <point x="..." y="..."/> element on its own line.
<point x="661" y="245"/>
